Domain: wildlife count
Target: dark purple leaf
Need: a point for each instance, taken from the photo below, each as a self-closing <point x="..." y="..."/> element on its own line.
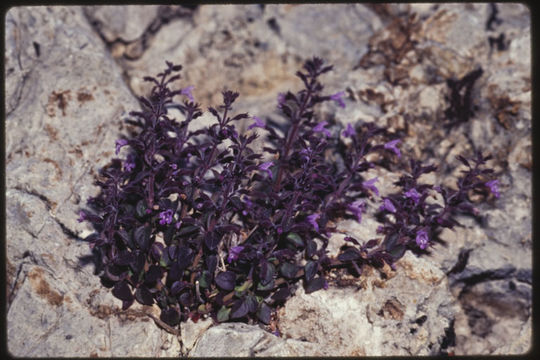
<point x="211" y="263"/>
<point x="264" y="314"/>
<point x="239" y="309"/>
<point x="267" y="272"/>
<point x="126" y="304"/>
<point x="141" y="237"/>
<point x="371" y="243"/>
<point x="153" y="275"/>
<point x="212" y="240"/>
<point x="311" y="248"/>
<point x="391" y="241"/>
<point x="144" y="296"/>
<point x="315" y="284"/>
<point x="175" y="272"/>
<point x="310" y="270"/>
<point x="352" y="240"/>
<point x="122" y="291"/>
<point x="184" y="257"/>
<point x="349" y="254"/>
<point x="251" y="303"/>
<point x="156" y="251"/>
<point x="226" y="280"/>
<point x="115" y="273"/>
<point x="186" y="299"/>
<point x="124" y="257"/>
<point x="178" y="286"/>
<point x="170" y="316"/>
<point x="281" y="295"/>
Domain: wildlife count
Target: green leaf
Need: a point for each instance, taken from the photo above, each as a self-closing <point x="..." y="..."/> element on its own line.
<point x="141" y="208"/>
<point x="295" y="239"/>
<point x="223" y="314"/>
<point x="288" y="270"/>
<point x="266" y="287"/>
<point x="241" y="289"/>
<point x="398" y="251"/>
<point x="204" y="280"/>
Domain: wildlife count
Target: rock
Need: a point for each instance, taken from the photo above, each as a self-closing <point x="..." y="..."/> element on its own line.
<point x="191" y="333"/>
<point x="375" y="317"/>
<point x="126" y="23"/>
<point x="59" y="131"/>
<point x="238" y="340"/>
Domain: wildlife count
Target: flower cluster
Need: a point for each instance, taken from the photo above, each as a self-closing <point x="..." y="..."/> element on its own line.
<point x="200" y="224"/>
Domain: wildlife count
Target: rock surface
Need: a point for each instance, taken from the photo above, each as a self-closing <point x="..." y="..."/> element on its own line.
<point x="71" y="76"/>
<point x="370" y="316"/>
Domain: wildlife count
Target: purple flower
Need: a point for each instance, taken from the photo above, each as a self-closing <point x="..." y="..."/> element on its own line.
<point x="320" y="128"/>
<point x="422" y="239"/>
<point x="187" y="92"/>
<point x="337" y="98"/>
<point x="178" y="224"/>
<point x="493" y="186"/>
<point x="248" y="205"/>
<point x="266" y="167"/>
<point x="258" y="123"/>
<point x="325" y="285"/>
<point x="129" y="164"/>
<point x="388" y="206"/>
<point x="349" y="131"/>
<point x="312" y="219"/>
<point x="413" y="194"/>
<point x="391" y="145"/>
<point x="276" y="332"/>
<point x="166" y="217"/>
<point x="356" y="208"/>
<point x="369" y="185"/>
<point x="119" y="144"/>
<point x="306" y="153"/>
<point x="82" y="216"/>
<point x="280" y="99"/>
<point x="234" y="252"/>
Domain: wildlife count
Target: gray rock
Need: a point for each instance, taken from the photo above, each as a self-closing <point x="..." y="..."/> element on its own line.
<point x="369" y="317"/>
<point x="375" y="317"/>
<point x="125" y="23"/>
<point x="65" y="99"/>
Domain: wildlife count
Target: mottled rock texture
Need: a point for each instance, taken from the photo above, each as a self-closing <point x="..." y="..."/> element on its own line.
<point x="73" y="73"/>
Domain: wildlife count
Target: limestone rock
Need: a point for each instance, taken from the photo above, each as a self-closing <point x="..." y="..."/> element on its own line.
<point x="65" y="99"/>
